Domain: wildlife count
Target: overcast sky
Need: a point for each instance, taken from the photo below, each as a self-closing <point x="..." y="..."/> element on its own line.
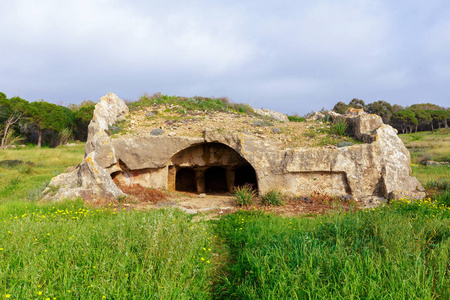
<point x="290" y="56"/>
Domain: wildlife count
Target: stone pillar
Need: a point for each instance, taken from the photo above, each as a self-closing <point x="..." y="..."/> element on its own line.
<point x="230" y="179"/>
<point x="171" y="178"/>
<point x="200" y="179"/>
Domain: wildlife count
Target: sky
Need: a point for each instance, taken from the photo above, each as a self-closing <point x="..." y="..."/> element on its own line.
<point x="290" y="56"/>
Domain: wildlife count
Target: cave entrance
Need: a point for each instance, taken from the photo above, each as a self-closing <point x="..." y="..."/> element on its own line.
<point x="245" y="175"/>
<point x="209" y="168"/>
<point x="216" y="180"/>
<point x="185" y="180"/>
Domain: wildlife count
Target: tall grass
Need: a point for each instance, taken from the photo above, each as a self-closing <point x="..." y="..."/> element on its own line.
<point x="399" y="252"/>
<point x="69" y="251"/>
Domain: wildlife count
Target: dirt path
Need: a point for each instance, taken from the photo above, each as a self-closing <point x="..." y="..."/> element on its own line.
<point x="195" y="204"/>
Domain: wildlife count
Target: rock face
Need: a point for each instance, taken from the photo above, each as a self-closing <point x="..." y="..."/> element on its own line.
<point x="217" y="162"/>
<point x="90" y="179"/>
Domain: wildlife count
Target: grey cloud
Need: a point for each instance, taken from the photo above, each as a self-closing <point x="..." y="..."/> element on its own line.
<point x="293" y="56"/>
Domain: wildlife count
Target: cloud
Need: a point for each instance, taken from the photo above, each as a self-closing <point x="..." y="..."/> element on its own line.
<point x="286" y="55"/>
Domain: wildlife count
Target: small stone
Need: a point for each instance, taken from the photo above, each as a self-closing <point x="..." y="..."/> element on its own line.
<point x="172" y="133"/>
<point x="276" y="130"/>
<point x="344" y="144"/>
<point x="157" y="131"/>
<point x="202" y="195"/>
<point x="150" y="114"/>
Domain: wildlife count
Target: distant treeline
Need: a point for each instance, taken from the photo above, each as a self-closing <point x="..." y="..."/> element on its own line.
<point x="42" y="123"/>
<point x="417" y="117"/>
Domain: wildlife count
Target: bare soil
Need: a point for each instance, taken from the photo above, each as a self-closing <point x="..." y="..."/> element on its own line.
<point x="218" y="204"/>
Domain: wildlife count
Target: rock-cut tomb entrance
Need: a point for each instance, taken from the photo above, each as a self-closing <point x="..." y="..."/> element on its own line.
<point x="212" y="168"/>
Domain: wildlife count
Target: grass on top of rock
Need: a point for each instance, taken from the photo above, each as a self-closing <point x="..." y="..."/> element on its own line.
<point x="326" y="133"/>
<point x="184" y="104"/>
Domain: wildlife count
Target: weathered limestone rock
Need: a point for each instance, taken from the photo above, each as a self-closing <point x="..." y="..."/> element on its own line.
<point x="375" y="170"/>
<point x="271" y="114"/>
<point x="90" y="179"/>
<point x="363" y="125"/>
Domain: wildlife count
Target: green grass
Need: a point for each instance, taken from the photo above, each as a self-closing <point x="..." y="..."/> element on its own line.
<point x="25" y="182"/>
<point x="398" y="252"/>
<point x="426" y="174"/>
<point x="428" y="145"/>
<point x="191" y="104"/>
<point x="70" y="250"/>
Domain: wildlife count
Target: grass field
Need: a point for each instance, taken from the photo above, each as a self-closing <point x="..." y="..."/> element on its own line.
<point x="73" y="250"/>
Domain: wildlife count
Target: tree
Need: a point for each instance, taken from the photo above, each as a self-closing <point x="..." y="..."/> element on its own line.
<point x="82" y="118"/>
<point x="46" y="115"/>
<point x="404" y="119"/>
<point x="11" y="112"/>
<point x="381" y="108"/>
<point x="340" y="107"/>
<point x="75" y="107"/>
<point x="440" y="116"/>
<point x="357" y="103"/>
<point x="423" y="117"/>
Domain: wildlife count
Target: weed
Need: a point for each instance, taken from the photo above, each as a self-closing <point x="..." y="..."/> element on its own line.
<point x="25" y="168"/>
<point x="64" y="136"/>
<point x="272" y="197"/>
<point x="114" y="129"/>
<point x="339" y="126"/>
<point x="244" y="195"/>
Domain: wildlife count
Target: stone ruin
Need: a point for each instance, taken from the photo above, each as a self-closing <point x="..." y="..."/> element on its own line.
<point x="377" y="169"/>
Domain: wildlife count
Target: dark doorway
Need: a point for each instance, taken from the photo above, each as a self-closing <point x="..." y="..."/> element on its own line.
<point x="246" y="175"/>
<point x="185" y="180"/>
<point x="216" y="180"/>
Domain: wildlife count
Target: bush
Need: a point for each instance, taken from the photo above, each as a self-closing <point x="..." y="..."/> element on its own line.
<point x="244" y="195"/>
<point x="296" y="119"/>
<point x="272" y="197"/>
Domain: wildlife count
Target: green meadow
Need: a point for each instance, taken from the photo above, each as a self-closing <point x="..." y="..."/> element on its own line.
<point x="75" y="250"/>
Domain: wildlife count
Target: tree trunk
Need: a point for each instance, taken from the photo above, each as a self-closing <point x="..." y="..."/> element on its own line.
<point x="4" y="135"/>
<point x="39" y="138"/>
<point x="11" y="121"/>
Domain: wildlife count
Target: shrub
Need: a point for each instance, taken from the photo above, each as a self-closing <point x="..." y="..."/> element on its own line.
<point x="64" y="136"/>
<point x="339" y="126"/>
<point x="272" y="197"/>
<point x="244" y="195"/>
<point x="296" y="119"/>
